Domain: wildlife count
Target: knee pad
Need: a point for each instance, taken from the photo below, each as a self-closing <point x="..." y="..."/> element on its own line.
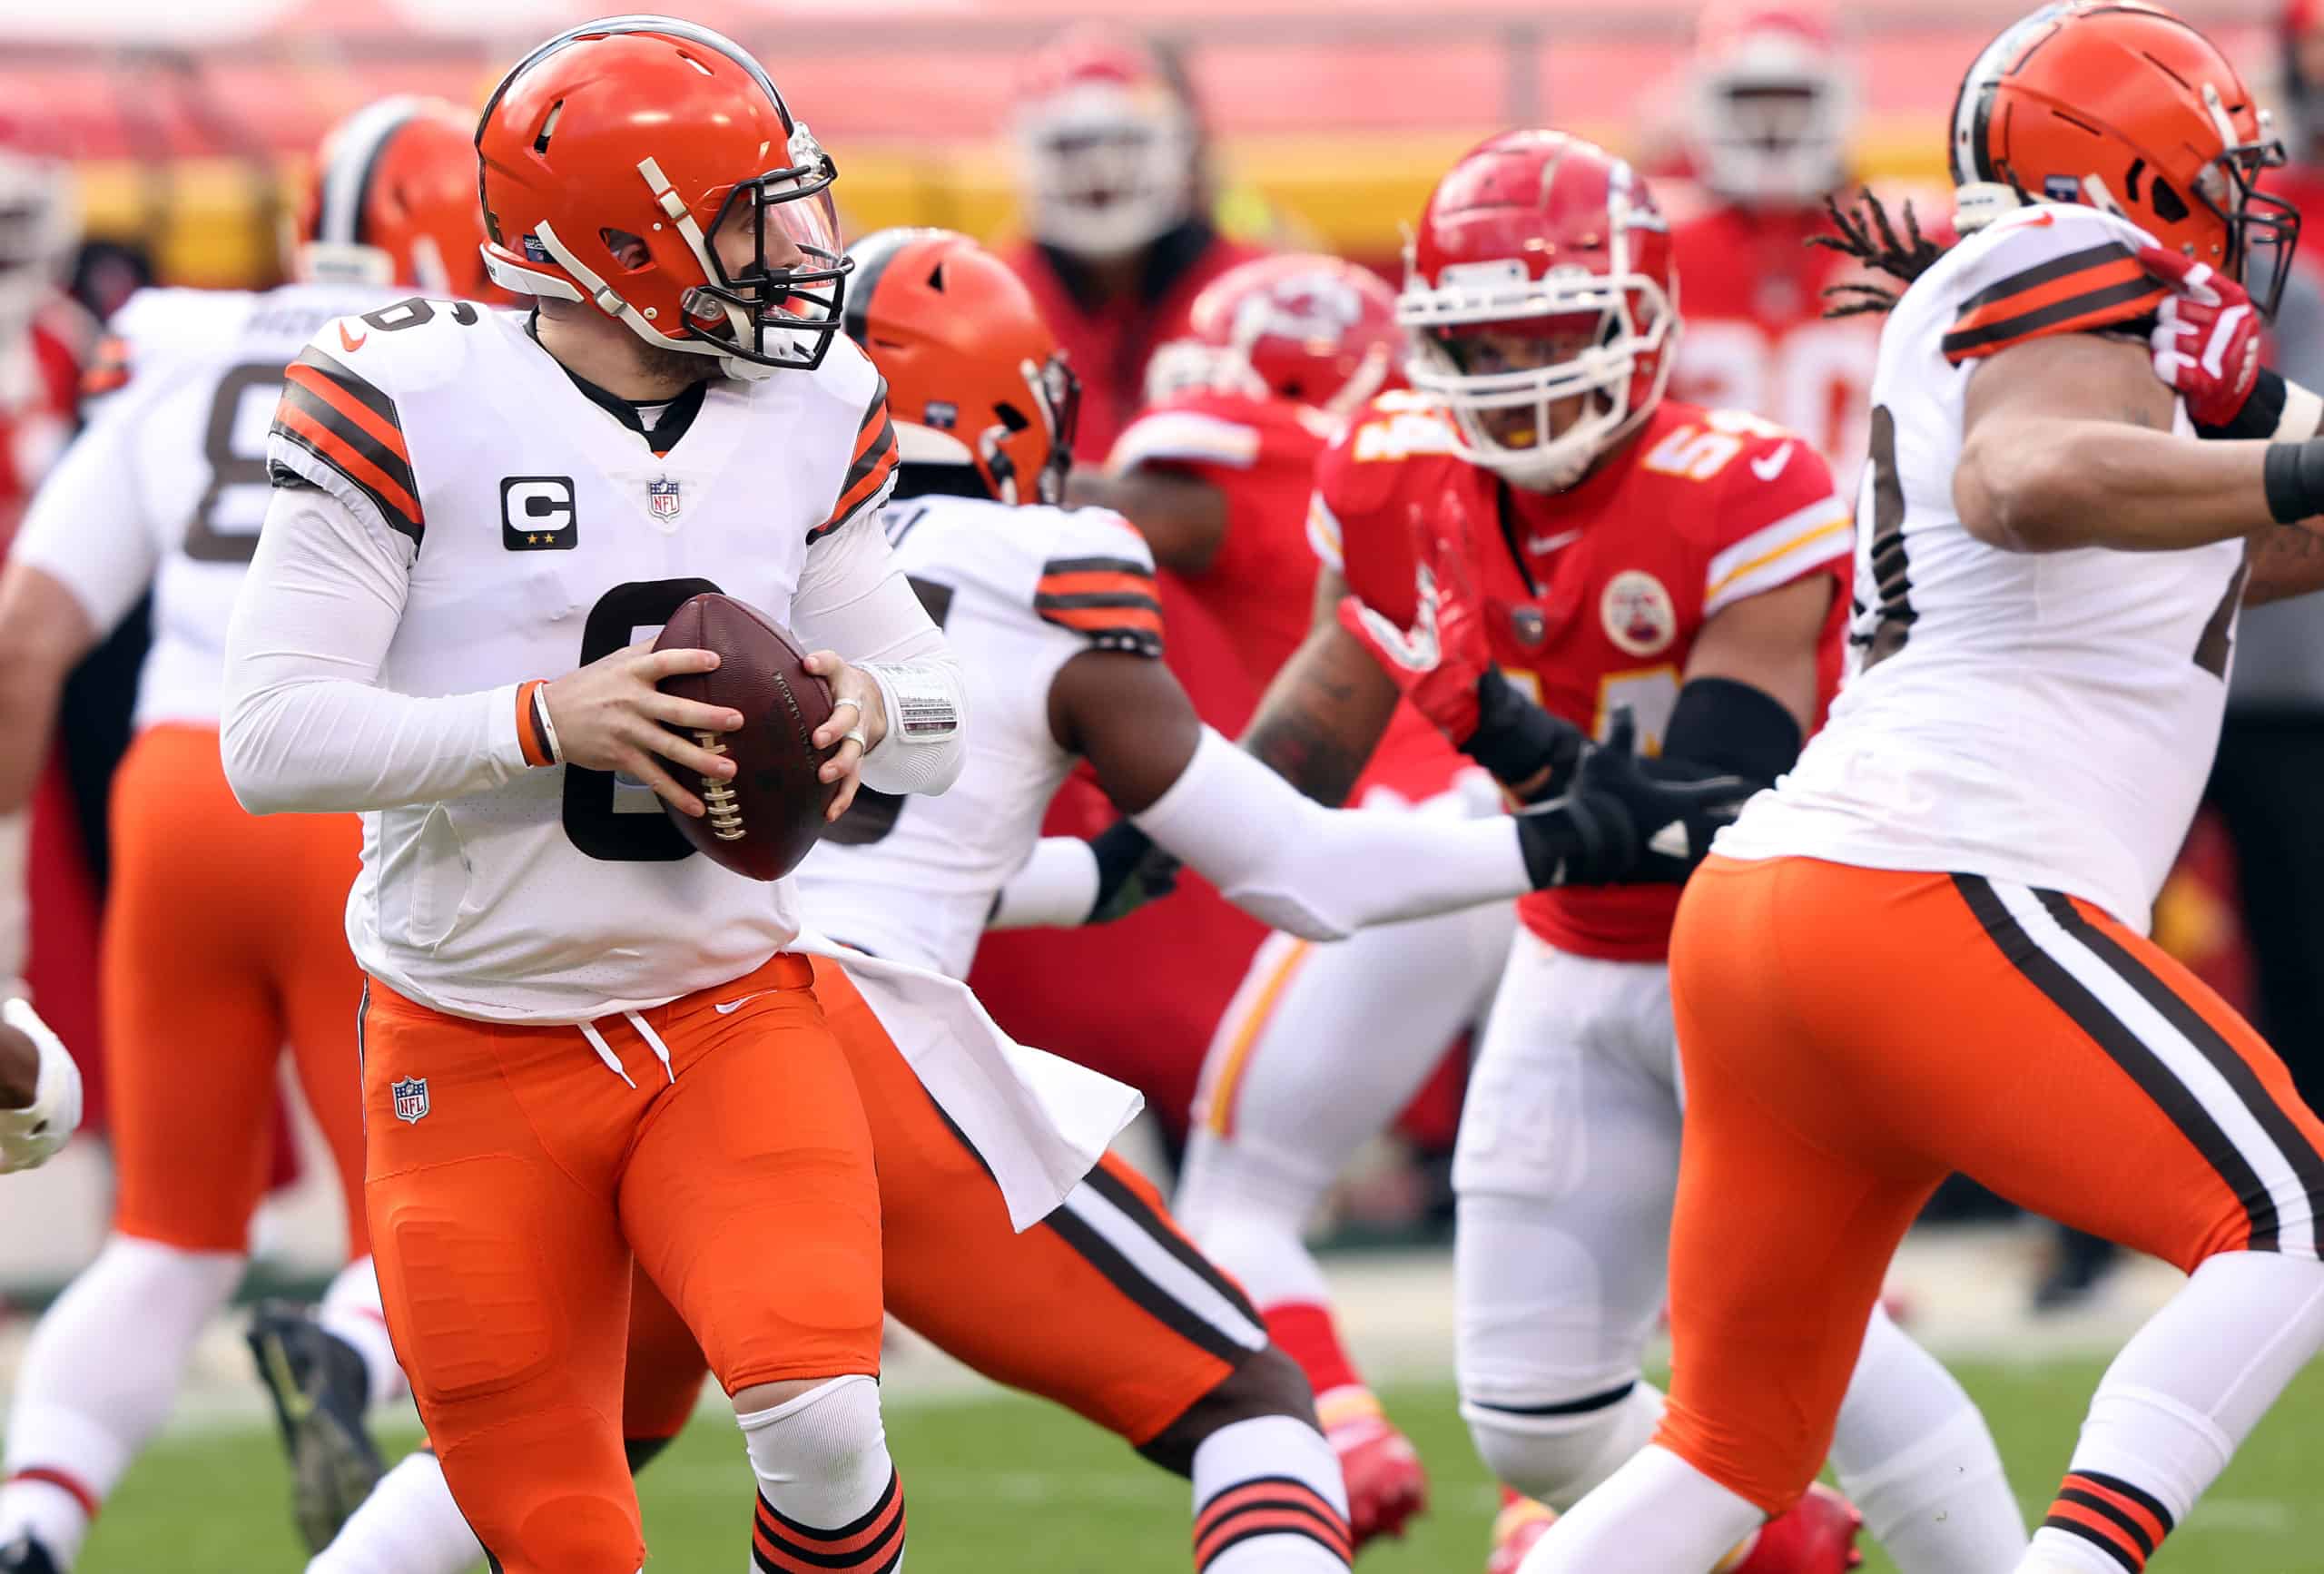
<point x="822" y="1459"/>
<point x="1556" y="1452"/>
<point x="574" y="1535"/>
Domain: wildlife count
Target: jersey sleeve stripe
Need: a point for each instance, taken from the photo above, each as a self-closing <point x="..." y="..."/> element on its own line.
<point x="1769" y="539"/>
<point x="2111" y="289"/>
<point x="1781" y="564"/>
<point x="1108" y="626"/>
<point x="871" y="474"/>
<point x="327" y="399"/>
<point x="1324" y="536"/>
<point x="397" y="507"/>
<point x="358" y="388"/>
<point x="1057" y="585"/>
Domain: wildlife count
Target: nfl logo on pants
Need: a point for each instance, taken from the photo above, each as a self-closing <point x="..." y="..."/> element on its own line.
<point x="411" y="1097"/>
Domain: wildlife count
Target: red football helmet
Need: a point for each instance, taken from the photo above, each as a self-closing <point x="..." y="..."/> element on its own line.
<point x="1540" y="233"/>
<point x="1107" y="143"/>
<point x="1304" y="327"/>
<point x="1774" y="104"/>
<point x="614" y="154"/>
<point x="975" y="377"/>
<point x="2120" y="106"/>
<point x="392" y="200"/>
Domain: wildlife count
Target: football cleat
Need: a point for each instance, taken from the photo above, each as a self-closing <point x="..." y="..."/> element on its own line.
<point x="319" y="1389"/>
<point x="1386" y="1483"/>
<point x="1816" y="1536"/>
<point x="25" y="1556"/>
<point x="1521" y="1522"/>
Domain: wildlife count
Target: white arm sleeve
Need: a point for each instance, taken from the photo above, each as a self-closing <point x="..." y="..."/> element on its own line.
<point x="1056" y="889"/>
<point x="86" y="526"/>
<point x="307" y="726"/>
<point x="853" y="599"/>
<point x="1324" y="873"/>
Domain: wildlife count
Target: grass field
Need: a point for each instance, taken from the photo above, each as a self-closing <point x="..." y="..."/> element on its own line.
<point x="1008" y="1486"/>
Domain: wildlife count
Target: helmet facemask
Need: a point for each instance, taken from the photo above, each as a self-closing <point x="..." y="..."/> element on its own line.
<point x="1771" y="125"/>
<point x="1621" y="318"/>
<point x="781" y="308"/>
<point x="1108" y="169"/>
<point x="1055" y="398"/>
<point x="2261" y="230"/>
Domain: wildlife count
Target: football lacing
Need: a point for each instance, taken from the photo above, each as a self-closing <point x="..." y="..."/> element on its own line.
<point x="725" y="815"/>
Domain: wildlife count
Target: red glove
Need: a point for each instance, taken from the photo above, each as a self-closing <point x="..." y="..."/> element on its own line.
<point x="1436" y="662"/>
<point x="2206" y="339"/>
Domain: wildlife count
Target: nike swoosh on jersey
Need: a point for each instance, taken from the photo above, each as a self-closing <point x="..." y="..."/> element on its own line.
<point x="1545" y="544"/>
<point x="727" y="1008"/>
<point x="353" y="341"/>
<point x="1768" y="469"/>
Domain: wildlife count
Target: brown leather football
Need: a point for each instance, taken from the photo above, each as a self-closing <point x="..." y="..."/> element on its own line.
<point x="764" y="819"/>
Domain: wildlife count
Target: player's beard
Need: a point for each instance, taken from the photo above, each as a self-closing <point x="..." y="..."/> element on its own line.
<point x="677" y="366"/>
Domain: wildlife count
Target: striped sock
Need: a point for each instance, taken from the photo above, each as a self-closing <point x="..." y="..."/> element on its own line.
<point x="1268" y="1498"/>
<point x="2094" y="1510"/>
<point x="873" y="1543"/>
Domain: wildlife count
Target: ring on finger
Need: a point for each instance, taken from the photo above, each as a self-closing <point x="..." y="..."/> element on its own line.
<point x="850" y="700"/>
<point x="854" y="735"/>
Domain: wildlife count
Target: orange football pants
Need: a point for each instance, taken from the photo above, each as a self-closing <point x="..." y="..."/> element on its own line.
<point x="514" y="1177"/>
<point x="1056" y="1311"/>
<point x="1848" y="1037"/>
<point x="224" y="938"/>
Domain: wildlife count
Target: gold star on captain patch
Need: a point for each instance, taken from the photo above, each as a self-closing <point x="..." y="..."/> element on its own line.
<point x="532" y="541"/>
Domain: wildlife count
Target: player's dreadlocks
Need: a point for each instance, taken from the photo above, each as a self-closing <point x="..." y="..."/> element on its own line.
<point x="1866" y="234"/>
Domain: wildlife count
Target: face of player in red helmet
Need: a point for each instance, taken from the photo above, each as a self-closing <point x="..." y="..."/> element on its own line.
<point x="1772" y="104"/>
<point x="1105" y="146"/>
<point x="1541" y="305"/>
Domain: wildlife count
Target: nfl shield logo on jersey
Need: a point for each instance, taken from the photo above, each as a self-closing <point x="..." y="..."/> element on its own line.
<point x="411" y="1097"/>
<point x="662" y="499"/>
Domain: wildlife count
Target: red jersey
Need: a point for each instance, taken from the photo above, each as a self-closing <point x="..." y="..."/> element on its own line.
<point x="40" y="381"/>
<point x="1592" y="596"/>
<point x="1260" y="455"/>
<point x="1756" y="338"/>
<point x="1108" y="343"/>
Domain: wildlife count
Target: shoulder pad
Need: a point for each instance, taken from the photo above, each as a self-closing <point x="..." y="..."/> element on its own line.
<point x="2051" y="268"/>
<point x="1097" y="579"/>
<point x="1779" y="515"/>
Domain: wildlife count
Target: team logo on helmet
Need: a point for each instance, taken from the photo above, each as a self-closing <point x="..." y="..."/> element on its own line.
<point x="1640" y="616"/>
<point x="411" y="1099"/>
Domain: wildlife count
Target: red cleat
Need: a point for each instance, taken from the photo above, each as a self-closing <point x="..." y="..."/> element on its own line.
<point x="1386" y="1483"/>
<point x="1817" y="1537"/>
<point x="1521" y="1522"/>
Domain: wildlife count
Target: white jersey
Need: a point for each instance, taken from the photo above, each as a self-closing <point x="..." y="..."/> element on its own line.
<point x="2046" y="718"/>
<point x="1020" y="592"/>
<point x="516" y="528"/>
<point x="166" y="484"/>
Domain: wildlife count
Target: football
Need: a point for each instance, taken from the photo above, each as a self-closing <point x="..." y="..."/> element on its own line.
<point x="763" y="820"/>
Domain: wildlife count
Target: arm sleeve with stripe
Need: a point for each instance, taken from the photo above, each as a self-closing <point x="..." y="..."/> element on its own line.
<point x="337" y="430"/>
<point x="853" y="599"/>
<point x="1098" y="583"/>
<point x="307" y="726"/>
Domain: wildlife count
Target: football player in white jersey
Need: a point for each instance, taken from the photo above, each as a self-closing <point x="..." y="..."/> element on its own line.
<point x="163" y="491"/>
<point x="1924" y="949"/>
<point x="584" y="1048"/>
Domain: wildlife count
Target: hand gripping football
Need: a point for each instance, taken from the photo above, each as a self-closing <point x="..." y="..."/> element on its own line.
<point x="763" y="820"/>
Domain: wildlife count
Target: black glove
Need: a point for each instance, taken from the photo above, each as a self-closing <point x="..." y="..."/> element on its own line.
<point x="1131" y="871"/>
<point x="1618" y="825"/>
<point x="1518" y="741"/>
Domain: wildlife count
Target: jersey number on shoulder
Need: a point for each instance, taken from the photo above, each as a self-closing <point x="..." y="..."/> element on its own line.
<point x="608" y="815"/>
<point x="1699" y="452"/>
<point x="873" y="816"/>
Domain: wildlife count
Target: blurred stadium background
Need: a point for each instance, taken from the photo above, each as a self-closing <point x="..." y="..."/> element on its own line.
<point x="187" y="125"/>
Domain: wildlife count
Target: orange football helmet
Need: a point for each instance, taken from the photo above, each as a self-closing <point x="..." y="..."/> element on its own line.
<point x="612" y="155"/>
<point x="2120" y="104"/>
<point x="975" y="378"/>
<point x="392" y="200"/>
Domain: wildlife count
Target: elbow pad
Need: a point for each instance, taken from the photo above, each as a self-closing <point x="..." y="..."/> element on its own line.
<point x="1723" y="727"/>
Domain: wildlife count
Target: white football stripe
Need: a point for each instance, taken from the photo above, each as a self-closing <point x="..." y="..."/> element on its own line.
<point x="1164" y="1272"/>
<point x="2296" y="1221"/>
